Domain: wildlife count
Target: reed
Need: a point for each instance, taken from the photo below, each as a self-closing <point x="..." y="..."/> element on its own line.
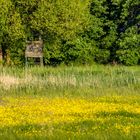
<point x="94" y="80"/>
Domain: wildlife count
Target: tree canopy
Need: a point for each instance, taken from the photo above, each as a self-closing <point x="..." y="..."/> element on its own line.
<point x="73" y="31"/>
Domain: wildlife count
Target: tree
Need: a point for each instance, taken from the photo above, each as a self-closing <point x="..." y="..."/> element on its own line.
<point x="60" y="22"/>
<point x="119" y="21"/>
<point x="63" y="19"/>
<point x="11" y="29"/>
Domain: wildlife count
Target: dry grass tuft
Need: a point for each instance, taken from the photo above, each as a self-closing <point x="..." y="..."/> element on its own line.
<point x="7" y="81"/>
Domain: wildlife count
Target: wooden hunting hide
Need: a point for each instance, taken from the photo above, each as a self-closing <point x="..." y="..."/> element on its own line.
<point x="34" y="49"/>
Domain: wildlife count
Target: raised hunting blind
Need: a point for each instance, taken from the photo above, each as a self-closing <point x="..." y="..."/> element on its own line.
<point x="34" y="49"/>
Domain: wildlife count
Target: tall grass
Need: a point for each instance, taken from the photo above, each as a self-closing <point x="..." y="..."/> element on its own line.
<point x="110" y="117"/>
<point x="82" y="81"/>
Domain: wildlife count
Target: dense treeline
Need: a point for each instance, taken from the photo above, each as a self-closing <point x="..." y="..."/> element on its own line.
<point x="73" y="31"/>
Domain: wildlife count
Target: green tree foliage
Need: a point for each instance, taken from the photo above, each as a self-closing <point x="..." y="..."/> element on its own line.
<point x="4" y="8"/>
<point x="11" y="31"/>
<point x="119" y="22"/>
<point x="61" y="18"/>
<point x="60" y="22"/>
<point x="82" y="31"/>
<point x="129" y="36"/>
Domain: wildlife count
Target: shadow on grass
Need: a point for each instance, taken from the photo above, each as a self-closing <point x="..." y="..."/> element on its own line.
<point x="121" y="113"/>
<point x="90" y="129"/>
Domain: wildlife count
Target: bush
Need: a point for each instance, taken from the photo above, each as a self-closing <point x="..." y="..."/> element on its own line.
<point x="129" y="47"/>
<point x="102" y="56"/>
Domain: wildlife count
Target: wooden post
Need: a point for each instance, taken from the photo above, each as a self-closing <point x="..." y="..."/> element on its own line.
<point x="1" y="56"/>
<point x="41" y="61"/>
<point x="26" y="61"/>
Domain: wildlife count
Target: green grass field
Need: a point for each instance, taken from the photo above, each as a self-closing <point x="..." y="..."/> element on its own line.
<point x="86" y="102"/>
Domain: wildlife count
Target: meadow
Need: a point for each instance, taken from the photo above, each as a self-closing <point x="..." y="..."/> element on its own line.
<point x="84" y="102"/>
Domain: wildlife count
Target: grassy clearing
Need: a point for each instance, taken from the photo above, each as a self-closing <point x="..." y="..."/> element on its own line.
<point x="91" y="102"/>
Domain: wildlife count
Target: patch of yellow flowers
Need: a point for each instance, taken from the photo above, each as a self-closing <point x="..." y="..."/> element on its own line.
<point x="44" y="111"/>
